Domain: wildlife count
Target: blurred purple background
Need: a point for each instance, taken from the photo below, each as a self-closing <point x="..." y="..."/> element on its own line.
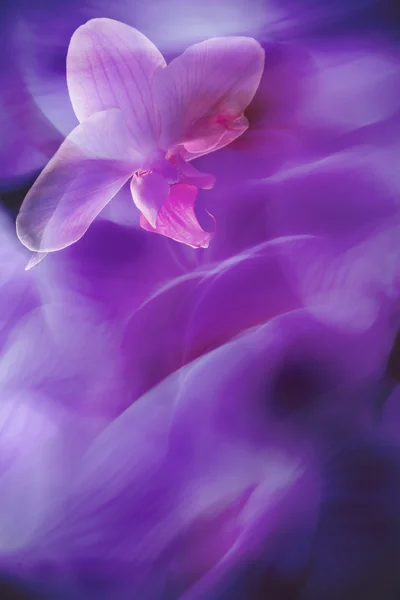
<point x="219" y="423"/>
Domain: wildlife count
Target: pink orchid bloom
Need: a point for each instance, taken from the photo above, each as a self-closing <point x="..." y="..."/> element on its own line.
<point x="143" y="120"/>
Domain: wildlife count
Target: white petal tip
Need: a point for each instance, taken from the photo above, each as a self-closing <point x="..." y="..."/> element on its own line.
<point x="36" y="258"/>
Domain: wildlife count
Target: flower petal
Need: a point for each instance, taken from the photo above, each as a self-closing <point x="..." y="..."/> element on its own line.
<point x="36" y="258"/>
<point x="202" y="94"/>
<point x="89" y="168"/>
<point x="149" y="192"/>
<point x="219" y="139"/>
<point x="111" y="65"/>
<point x="188" y="174"/>
<point x="177" y="219"/>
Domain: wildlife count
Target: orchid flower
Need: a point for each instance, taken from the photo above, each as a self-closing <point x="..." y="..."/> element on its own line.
<point x="143" y="120"/>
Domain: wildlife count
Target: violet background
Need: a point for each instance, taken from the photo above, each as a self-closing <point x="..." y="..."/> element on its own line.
<point x="220" y="423"/>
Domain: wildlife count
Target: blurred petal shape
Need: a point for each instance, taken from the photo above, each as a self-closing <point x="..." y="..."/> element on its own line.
<point x="349" y="202"/>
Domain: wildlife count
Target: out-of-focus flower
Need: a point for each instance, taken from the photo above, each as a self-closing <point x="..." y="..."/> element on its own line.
<point x="200" y="475"/>
<point x="144" y="119"/>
